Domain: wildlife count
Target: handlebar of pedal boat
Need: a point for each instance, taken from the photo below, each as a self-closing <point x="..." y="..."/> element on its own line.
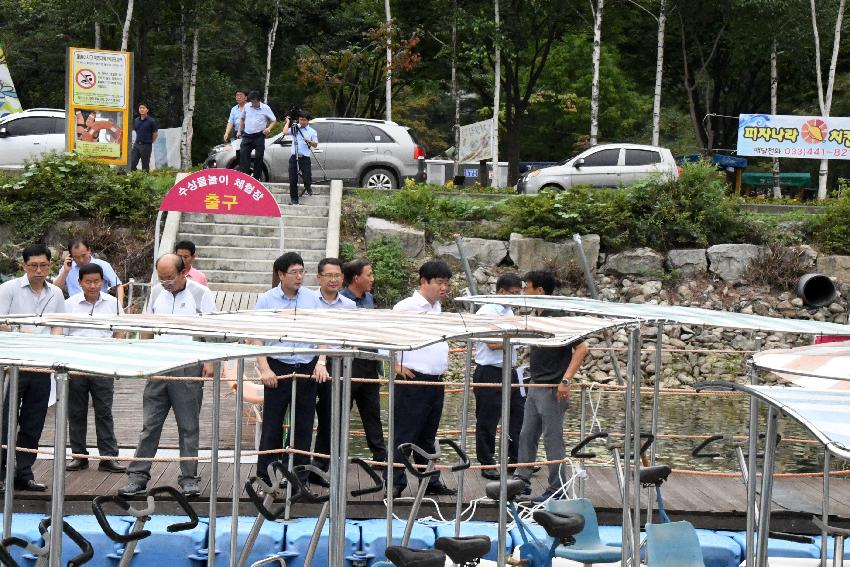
<point x="377" y="481"/>
<point x="100" y="515"/>
<point x="697" y="451"/>
<point x="183" y="503"/>
<point x="575" y="452"/>
<point x="463" y="463"/>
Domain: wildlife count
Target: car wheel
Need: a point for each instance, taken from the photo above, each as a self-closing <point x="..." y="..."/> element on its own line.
<point x="553" y="187"/>
<point x="379" y="179"/>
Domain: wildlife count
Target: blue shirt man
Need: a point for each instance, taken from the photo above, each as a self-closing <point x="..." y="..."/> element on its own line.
<point x="256" y="118"/>
<point x="234" y="120"/>
<point x="256" y="123"/>
<point x="303" y="138"/>
<point x="79" y="254"/>
<point x="145" y="128"/>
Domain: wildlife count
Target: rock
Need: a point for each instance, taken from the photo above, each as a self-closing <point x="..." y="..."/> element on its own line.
<point x="479" y="251"/>
<point x="650" y="288"/>
<point x="836" y="308"/>
<point x="808" y="255"/>
<point x="412" y="240"/>
<point x="689" y="261"/>
<point x="536" y="253"/>
<point x="730" y="261"/>
<point x="836" y="266"/>
<point x="797" y="302"/>
<point x="640" y="262"/>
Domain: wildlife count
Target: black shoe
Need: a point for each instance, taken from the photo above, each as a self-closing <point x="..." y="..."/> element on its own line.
<point x="309" y="192"/>
<point x="318" y="480"/>
<point x="291" y="202"/>
<point x="30" y="485"/>
<point x="132" y="488"/>
<point x="490" y="474"/>
<point x="2" y="487"/>
<point x="440" y="489"/>
<point x="77" y="465"/>
<point x="111" y="466"/>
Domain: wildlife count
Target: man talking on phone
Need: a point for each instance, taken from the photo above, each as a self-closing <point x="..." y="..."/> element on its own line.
<point x="79" y="254"/>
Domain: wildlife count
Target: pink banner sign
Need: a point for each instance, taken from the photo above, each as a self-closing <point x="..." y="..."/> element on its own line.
<point x="221" y="192"/>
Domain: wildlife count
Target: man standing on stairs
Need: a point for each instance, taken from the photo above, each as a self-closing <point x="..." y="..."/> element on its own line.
<point x="330" y="282"/>
<point x="277" y="392"/>
<point x="257" y="121"/>
<point x="186" y="250"/>
<point x="304" y="138"/>
<point x="359" y="277"/>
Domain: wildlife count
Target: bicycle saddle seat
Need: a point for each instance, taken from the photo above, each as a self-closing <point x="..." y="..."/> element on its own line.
<point x="559" y="526"/>
<point x="406" y="557"/>
<point x="515" y="488"/>
<point x="654" y="476"/>
<point x="462" y="550"/>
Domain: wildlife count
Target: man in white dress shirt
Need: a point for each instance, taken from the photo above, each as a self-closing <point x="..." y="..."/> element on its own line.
<point x="418" y="409"/>
<point x="89" y="301"/>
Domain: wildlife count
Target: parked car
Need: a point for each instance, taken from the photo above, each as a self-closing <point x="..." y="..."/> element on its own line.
<point x="29" y="134"/>
<point x="377" y="154"/>
<point x="605" y="165"/>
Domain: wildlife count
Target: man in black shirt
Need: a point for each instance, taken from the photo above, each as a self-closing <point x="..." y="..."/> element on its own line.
<point x="545" y="407"/>
<point x="146" y="134"/>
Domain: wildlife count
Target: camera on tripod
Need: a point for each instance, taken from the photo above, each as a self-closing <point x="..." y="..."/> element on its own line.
<point x="293" y="113"/>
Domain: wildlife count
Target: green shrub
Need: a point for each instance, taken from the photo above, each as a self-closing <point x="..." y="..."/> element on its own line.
<point x="65" y="187"/>
<point x="346" y="251"/>
<point x="831" y="231"/>
<point x="393" y="271"/>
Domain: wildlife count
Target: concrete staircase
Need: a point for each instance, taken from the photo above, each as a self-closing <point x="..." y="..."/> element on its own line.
<point x="236" y="252"/>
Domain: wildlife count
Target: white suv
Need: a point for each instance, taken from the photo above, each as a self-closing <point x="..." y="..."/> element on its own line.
<point x="29" y="134"/>
<point x="606" y="165"/>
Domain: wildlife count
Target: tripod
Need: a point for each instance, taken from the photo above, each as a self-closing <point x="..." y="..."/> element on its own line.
<point x="295" y="131"/>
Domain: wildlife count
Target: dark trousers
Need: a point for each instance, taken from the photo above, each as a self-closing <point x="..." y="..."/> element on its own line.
<point x="141" y="151"/>
<point x="31" y="405"/>
<point x="367" y="397"/>
<point x="302" y="163"/>
<point x="101" y="391"/>
<point x="488" y="412"/>
<point x="276" y="401"/>
<point x="417" y="416"/>
<point x="257" y="143"/>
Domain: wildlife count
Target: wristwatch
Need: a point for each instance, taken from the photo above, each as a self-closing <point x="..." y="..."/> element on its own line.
<point x="566" y="381"/>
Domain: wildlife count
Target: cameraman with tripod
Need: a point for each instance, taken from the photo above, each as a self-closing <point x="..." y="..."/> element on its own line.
<point x="304" y="138"/>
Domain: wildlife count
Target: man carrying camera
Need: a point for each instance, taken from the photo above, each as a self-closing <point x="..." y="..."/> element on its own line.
<point x="304" y="138"/>
<point x="256" y="123"/>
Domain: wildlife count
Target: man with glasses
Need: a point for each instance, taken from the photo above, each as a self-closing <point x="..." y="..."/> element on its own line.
<point x="174" y="295"/>
<point x="101" y="388"/>
<point x="330" y="282"/>
<point x="79" y="254"/>
<point x="31" y="294"/>
<point x="488" y="400"/>
<point x="277" y="393"/>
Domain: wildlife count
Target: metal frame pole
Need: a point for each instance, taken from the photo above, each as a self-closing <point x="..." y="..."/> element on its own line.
<point x="582" y="432"/>
<point x="656" y="403"/>
<point x="827" y="464"/>
<point x="627" y="456"/>
<point x="344" y="425"/>
<point x="237" y="462"/>
<point x="290" y="443"/>
<point x="60" y="436"/>
<point x="214" y="464"/>
<point x="11" y="441"/>
<point x="752" y="466"/>
<point x="335" y="552"/>
<point x="390" y="446"/>
<point x="156" y="239"/>
<point x="635" y="377"/>
<point x="767" y="486"/>
<point x="464" y="425"/>
<point x="503" y="449"/>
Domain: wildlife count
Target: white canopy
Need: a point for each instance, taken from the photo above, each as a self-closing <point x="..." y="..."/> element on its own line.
<point x="824" y="366"/>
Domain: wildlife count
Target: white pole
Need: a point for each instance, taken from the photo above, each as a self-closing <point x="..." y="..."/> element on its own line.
<point x="494" y="139"/>
<point x="389" y="85"/>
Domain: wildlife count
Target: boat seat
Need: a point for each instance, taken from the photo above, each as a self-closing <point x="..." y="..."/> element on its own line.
<point x="674" y="544"/>
<point x="463" y="550"/>
<point x="654" y="476"/>
<point x="406" y="557"/>
<point x="559" y="526"/>
<point x="515" y="488"/>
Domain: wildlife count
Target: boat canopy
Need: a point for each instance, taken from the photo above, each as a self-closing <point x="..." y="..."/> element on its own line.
<point x="824" y="366"/>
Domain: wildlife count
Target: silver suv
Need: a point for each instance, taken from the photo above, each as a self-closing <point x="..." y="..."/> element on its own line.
<point x="605" y="165"/>
<point x="29" y="134"/>
<point x="363" y="152"/>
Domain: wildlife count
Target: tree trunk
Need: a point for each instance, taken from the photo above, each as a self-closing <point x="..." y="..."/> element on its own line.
<point x="514" y="146"/>
<point x="189" y="108"/>
<point x="97" y="35"/>
<point x="389" y="82"/>
<point x="659" y="73"/>
<point x="774" y="87"/>
<point x="594" y="88"/>
<point x="125" y="35"/>
<point x="825" y="100"/>
<point x="454" y="89"/>
<point x="497" y="84"/>
<point x="272" y="34"/>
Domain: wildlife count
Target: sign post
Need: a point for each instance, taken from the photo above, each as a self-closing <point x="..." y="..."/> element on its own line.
<point x="98" y="104"/>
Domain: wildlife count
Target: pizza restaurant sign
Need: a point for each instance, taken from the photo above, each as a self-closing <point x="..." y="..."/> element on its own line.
<point x="221" y="191"/>
<point x="777" y="135"/>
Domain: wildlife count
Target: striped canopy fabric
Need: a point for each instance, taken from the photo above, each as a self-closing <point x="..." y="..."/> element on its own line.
<point x="824" y="366"/>
<point x="674" y="314"/>
<point x="118" y="358"/>
<point x="825" y="413"/>
<point x="351" y="328"/>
